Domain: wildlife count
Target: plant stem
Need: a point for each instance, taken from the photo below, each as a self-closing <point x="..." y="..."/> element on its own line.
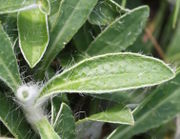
<point x="123" y="4"/>
<point x="45" y="129"/>
<point x="155" y="44"/>
<point x="27" y="94"/>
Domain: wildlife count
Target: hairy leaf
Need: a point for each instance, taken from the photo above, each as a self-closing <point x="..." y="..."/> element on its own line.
<point x="159" y="108"/>
<point x="121" y="33"/>
<point x="33" y="35"/>
<point x="8" y="65"/>
<point x="117" y="115"/>
<point x="65" y="26"/>
<point x="13" y="118"/>
<point x="109" y="73"/>
<point x="56" y="104"/>
<point x="64" y="123"/>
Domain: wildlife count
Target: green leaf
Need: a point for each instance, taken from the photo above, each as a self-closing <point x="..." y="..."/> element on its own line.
<point x="105" y="12"/>
<point x="46" y="130"/>
<point x="116" y="115"/>
<point x="56" y="104"/>
<point x="121" y="33"/>
<point x="109" y="73"/>
<point x="33" y="35"/>
<point x="158" y="108"/>
<point x="64" y="124"/>
<point x="65" y="26"/>
<point x="13" y="118"/>
<point x="8" y="65"/>
<point x="10" y="6"/>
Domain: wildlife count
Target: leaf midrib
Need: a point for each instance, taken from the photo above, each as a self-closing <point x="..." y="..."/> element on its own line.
<point x="92" y="78"/>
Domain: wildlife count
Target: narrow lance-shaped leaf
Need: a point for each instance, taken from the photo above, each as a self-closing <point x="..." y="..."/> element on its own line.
<point x="14" y="119"/>
<point x="121" y="33"/>
<point x="109" y="73"/>
<point x="65" y="26"/>
<point x="64" y="123"/>
<point x="157" y="109"/>
<point x="8" y="65"/>
<point x="56" y="104"/>
<point x="117" y="115"/>
<point x="33" y="35"/>
<point x="10" y="6"/>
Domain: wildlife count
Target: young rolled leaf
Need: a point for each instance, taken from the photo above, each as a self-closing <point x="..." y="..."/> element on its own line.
<point x="44" y="6"/>
<point x="46" y="131"/>
<point x="10" y="6"/>
<point x="13" y="118"/>
<point x="33" y="35"/>
<point x="8" y="65"/>
<point x="109" y="73"/>
<point x="157" y="109"/>
<point x="64" y="123"/>
<point x="121" y="33"/>
<point x="64" y="27"/>
<point x="116" y="115"/>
